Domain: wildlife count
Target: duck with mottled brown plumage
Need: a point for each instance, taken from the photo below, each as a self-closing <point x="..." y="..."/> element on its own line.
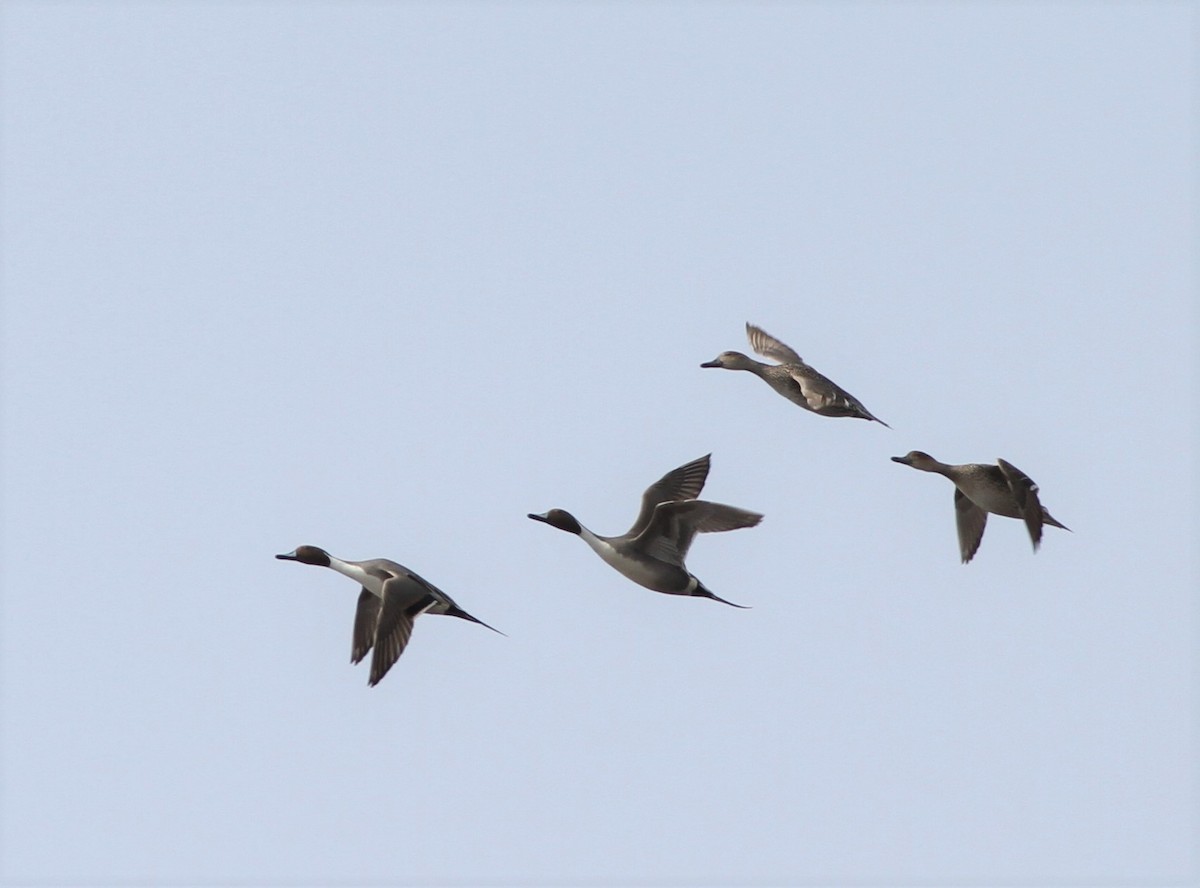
<point x="793" y="378"/>
<point x="979" y="488"/>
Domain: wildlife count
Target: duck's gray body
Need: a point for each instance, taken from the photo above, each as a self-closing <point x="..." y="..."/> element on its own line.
<point x="793" y="378"/>
<point x="391" y="599"/>
<point x="652" y="551"/>
<point x="980" y="488"/>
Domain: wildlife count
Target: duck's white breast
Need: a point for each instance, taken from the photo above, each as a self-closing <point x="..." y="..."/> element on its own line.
<point x="642" y="571"/>
<point x="370" y="582"/>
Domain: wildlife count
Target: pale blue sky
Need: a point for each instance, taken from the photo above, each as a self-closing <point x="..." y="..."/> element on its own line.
<point x="385" y="277"/>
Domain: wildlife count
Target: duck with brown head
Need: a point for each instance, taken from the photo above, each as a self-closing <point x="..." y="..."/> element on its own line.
<point x="307" y="555"/>
<point x="391" y="598"/>
<point x="561" y="519"/>
<point x="652" y="551"/>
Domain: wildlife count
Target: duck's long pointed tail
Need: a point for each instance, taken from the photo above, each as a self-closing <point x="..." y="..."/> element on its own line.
<point x="702" y="592"/>
<point x="456" y="611"/>
<point x="1053" y="522"/>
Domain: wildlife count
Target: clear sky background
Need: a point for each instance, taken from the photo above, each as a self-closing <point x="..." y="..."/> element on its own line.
<point x="385" y="277"/>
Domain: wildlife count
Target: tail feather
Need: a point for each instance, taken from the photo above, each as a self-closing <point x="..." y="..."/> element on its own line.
<point x="455" y="611"/>
<point x="702" y="592"/>
<point x="1047" y="518"/>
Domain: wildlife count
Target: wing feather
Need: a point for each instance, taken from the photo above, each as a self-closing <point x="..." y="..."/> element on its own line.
<point x="683" y="483"/>
<point x="403" y="601"/>
<point x="971" y="521"/>
<point x="770" y="347"/>
<point x="674" y="525"/>
<point x="365" y="618"/>
<point x="1025" y="491"/>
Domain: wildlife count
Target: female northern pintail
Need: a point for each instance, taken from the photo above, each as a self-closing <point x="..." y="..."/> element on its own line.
<point x="651" y="553"/>
<point x="392" y="597"/>
<point x="793" y="378"/>
<point x="1002" y="489"/>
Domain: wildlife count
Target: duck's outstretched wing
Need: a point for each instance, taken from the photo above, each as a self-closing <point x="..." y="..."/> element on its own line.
<point x="404" y="599"/>
<point x="670" y="532"/>
<point x="683" y="483"/>
<point x="971" y="521"/>
<point x="1025" y="491"/>
<point x="770" y="347"/>
<point x="365" y="619"/>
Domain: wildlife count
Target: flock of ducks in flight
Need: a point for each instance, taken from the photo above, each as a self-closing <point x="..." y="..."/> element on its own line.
<point x="652" y="551"/>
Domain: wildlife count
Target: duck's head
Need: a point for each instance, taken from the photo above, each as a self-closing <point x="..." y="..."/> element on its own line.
<point x="559" y="518"/>
<point x="307" y="555"/>
<point x="918" y="459"/>
<point x="730" y="360"/>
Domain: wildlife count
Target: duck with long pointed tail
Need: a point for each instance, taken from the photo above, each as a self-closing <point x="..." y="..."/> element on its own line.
<point x="651" y="553"/>
<point x="979" y="488"/>
<point x="391" y="599"/>
<point x="792" y="378"/>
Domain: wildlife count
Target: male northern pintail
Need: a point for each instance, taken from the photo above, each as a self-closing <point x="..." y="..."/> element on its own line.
<point x="1002" y="489"/>
<point x="793" y="378"/>
<point x="392" y="597"/>
<point x="651" y="553"/>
